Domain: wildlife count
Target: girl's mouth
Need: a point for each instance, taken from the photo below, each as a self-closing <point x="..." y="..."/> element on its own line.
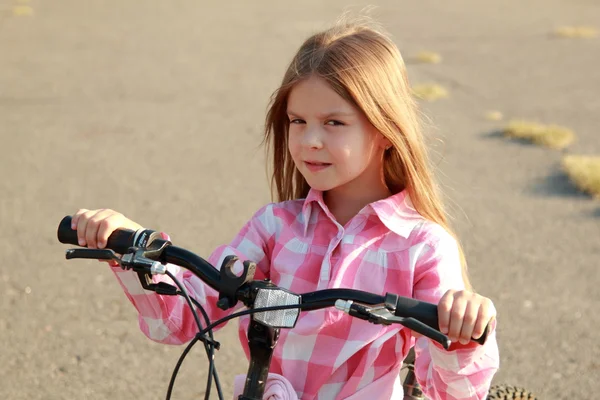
<point x="315" y="166"/>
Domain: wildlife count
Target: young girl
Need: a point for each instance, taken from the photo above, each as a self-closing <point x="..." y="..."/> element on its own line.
<point x="358" y="209"/>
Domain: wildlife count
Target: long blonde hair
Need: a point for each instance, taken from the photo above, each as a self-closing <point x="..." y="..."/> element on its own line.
<point x="364" y="67"/>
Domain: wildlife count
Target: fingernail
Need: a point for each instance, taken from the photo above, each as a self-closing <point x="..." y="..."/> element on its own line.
<point x="444" y="330"/>
<point x="81" y="242"/>
<point x="73" y="226"/>
<point x="464" y="341"/>
<point x="100" y="245"/>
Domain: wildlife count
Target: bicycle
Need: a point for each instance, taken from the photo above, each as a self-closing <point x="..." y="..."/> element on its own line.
<point x="272" y="307"/>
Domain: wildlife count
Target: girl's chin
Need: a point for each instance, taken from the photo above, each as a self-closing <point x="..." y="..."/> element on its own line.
<point x="321" y="186"/>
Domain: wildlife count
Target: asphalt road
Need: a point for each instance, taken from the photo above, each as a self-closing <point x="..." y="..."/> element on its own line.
<point x="156" y="109"/>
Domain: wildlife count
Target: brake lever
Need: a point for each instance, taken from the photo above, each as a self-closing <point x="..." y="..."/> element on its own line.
<point x="96" y="254"/>
<point x="383" y="316"/>
<point x="131" y="260"/>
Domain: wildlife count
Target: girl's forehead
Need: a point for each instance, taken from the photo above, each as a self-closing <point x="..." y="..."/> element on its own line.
<point x="316" y="95"/>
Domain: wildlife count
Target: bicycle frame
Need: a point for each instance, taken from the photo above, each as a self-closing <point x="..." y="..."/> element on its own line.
<point x="262" y="340"/>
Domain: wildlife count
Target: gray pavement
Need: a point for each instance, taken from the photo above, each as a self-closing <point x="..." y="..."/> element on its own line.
<point x="156" y="109"/>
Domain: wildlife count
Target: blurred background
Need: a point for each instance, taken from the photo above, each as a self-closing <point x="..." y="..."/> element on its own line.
<point x="156" y="109"/>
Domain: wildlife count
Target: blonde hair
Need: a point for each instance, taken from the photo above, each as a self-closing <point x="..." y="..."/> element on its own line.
<point x="364" y="67"/>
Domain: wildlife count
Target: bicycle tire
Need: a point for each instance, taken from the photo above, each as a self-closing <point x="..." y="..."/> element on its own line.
<point x="507" y="392"/>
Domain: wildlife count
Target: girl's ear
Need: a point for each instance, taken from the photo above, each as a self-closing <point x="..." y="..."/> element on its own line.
<point x="384" y="142"/>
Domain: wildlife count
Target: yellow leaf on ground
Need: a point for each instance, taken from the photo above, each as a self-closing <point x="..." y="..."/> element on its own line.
<point x="553" y="136"/>
<point x="582" y="32"/>
<point x="429" y="91"/>
<point x="494" y="115"/>
<point x="22" y="11"/>
<point x="428" y="57"/>
<point x="584" y="171"/>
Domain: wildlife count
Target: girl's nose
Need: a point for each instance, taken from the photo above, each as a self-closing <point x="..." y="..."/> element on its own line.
<point x="313" y="138"/>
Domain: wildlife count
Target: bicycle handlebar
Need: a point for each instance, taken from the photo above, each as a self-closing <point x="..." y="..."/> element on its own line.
<point x="122" y="239"/>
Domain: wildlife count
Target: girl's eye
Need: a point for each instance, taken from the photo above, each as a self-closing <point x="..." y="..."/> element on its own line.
<point x="296" y="121"/>
<point x="335" y="123"/>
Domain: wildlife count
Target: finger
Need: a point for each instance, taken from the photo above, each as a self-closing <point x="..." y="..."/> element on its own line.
<point x="457" y="314"/>
<point x="91" y="233"/>
<point x="444" y="307"/>
<point x="106" y="227"/>
<point x="82" y="223"/>
<point x="487" y="313"/>
<point x="415" y="334"/>
<point x="470" y="318"/>
<point x="75" y="217"/>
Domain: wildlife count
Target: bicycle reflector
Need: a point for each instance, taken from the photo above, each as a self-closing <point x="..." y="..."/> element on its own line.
<point x="267" y="297"/>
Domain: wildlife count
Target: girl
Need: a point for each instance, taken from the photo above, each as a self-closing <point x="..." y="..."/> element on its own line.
<point x="358" y="209"/>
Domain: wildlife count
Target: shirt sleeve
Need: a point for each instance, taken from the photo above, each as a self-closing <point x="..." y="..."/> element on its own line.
<point x="464" y="371"/>
<point x="168" y="319"/>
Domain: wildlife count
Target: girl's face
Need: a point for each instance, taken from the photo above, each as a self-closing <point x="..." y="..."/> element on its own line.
<point x="332" y="143"/>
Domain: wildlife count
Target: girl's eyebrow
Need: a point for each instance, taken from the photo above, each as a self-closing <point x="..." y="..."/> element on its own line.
<point x="328" y="115"/>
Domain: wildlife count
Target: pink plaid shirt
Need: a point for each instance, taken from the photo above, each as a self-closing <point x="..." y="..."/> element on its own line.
<point x="298" y="244"/>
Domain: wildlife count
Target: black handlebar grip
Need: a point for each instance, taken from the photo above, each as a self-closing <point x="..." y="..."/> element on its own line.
<point x="119" y="241"/>
<point x="426" y="313"/>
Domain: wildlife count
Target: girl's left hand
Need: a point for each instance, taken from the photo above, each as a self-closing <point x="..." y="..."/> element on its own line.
<point x="463" y="315"/>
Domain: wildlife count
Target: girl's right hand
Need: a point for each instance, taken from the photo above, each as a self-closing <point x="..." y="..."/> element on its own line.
<point x="95" y="226"/>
